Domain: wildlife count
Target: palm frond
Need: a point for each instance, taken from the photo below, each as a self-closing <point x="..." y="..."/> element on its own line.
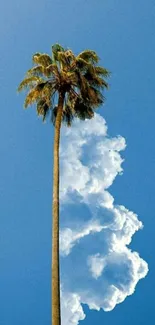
<point x="33" y="95"/>
<point x="89" y="56"/>
<point x="39" y="70"/>
<point x="95" y="80"/>
<point x="102" y="71"/>
<point x="56" y="48"/>
<point x="36" y="71"/>
<point x="68" y="115"/>
<point x="42" y="59"/>
<point x="95" y="97"/>
<point x="42" y="109"/>
<point x="72" y="77"/>
<point x="29" y="82"/>
<point x="81" y="64"/>
<point x="70" y="55"/>
<point x="82" y="84"/>
<point x="63" y="59"/>
<point x="83" y="110"/>
<point x="53" y="69"/>
<point x="35" y="57"/>
<point x="48" y="91"/>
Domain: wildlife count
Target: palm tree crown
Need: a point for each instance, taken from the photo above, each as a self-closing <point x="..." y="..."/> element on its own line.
<point x="78" y="78"/>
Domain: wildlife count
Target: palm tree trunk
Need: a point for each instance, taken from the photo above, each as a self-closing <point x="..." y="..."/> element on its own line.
<point x="56" y="312"/>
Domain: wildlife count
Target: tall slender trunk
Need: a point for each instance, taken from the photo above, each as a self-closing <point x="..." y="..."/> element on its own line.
<point x="56" y="312"/>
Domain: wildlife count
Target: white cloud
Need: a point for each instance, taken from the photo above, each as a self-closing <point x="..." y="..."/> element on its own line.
<point x="98" y="267"/>
<point x="103" y="161"/>
<point x="96" y="264"/>
<point x="68" y="237"/>
<point x="71" y="309"/>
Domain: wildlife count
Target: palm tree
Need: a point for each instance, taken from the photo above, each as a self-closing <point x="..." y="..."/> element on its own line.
<point x="63" y="86"/>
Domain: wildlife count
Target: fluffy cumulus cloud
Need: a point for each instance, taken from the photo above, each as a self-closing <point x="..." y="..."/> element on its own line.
<point x="98" y="267"/>
<point x="71" y="309"/>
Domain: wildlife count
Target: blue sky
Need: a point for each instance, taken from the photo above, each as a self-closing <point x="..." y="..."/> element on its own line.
<point x="122" y="33"/>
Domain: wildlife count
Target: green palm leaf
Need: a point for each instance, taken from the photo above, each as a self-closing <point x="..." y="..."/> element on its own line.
<point x="56" y="48"/>
<point x="82" y="110"/>
<point x="42" y="59"/>
<point x="36" y="71"/>
<point x="102" y="71"/>
<point x="42" y="108"/>
<point x="29" y="82"/>
<point x="52" y="69"/>
<point x="89" y="56"/>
